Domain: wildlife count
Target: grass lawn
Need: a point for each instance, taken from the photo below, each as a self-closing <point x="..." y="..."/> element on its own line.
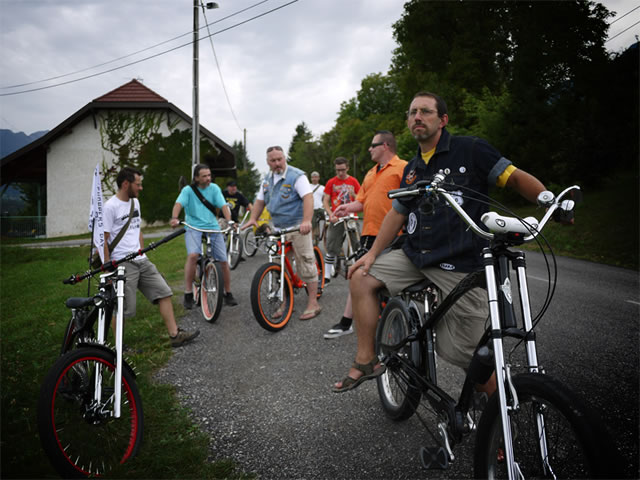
<point x="30" y="336"/>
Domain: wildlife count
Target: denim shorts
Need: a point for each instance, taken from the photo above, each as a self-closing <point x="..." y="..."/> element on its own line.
<point x="193" y="241"/>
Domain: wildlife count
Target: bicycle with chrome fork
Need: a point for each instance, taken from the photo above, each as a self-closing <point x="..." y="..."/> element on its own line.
<point x="208" y="286"/>
<point x="90" y="415"/>
<point x="275" y="283"/>
<point x="533" y="426"/>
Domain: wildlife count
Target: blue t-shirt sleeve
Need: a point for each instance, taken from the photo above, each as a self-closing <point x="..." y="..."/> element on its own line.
<point x="183" y="197"/>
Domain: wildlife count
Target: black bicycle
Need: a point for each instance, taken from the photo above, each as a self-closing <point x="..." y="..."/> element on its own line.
<point x="533" y="426"/>
<point x="90" y="415"/>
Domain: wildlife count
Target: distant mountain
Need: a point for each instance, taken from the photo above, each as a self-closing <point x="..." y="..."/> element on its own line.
<point x="12" y="141"/>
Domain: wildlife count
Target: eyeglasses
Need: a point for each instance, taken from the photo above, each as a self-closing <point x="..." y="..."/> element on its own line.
<point x="277" y="147"/>
<point x="377" y="144"/>
<point x="423" y="111"/>
<point x="341" y="170"/>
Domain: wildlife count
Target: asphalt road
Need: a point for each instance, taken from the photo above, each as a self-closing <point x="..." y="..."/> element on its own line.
<point x="265" y="398"/>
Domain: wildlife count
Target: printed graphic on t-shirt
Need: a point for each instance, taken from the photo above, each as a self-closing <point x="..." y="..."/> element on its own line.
<point x="342" y="194"/>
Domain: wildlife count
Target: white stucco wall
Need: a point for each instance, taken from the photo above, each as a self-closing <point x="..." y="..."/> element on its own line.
<point x="71" y="160"/>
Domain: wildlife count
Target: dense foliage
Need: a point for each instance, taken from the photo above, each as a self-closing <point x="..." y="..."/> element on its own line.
<point x="533" y="78"/>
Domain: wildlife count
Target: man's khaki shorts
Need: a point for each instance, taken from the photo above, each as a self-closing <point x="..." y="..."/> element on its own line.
<point x="458" y="333"/>
<point x="143" y="275"/>
<point x="305" y="259"/>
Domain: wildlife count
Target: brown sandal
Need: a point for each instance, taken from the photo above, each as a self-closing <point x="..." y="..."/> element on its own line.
<point x="369" y="371"/>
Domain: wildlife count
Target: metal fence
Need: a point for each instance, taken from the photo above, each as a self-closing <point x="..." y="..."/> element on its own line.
<point x="30" y="227"/>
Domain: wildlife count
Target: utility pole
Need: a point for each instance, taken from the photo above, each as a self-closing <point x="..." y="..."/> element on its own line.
<point x="244" y="160"/>
<point x="195" y="134"/>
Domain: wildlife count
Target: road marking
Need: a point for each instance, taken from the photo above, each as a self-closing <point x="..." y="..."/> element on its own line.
<point x="633" y="301"/>
<point x="537" y="278"/>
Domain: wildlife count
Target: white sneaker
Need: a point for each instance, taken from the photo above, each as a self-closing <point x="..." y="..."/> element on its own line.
<point x="338" y="330"/>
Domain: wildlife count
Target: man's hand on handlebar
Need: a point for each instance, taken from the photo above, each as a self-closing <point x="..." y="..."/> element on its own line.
<point x="305" y="227"/>
<point x="174" y="222"/>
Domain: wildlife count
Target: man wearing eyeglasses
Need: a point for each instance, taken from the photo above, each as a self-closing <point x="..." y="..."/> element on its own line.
<point x="339" y="190"/>
<point x="438" y="245"/>
<point x="287" y="194"/>
<point x="372" y="199"/>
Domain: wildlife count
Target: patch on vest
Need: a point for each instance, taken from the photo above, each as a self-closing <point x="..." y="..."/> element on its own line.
<point x="447" y="266"/>
<point x="412" y="223"/>
<point x="410" y="178"/>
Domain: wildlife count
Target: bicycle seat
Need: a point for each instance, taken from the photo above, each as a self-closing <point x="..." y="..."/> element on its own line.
<point x="418" y="287"/>
<point x="79" y="302"/>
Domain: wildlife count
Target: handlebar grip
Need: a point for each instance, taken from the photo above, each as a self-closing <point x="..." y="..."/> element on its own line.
<point x="70" y="281"/>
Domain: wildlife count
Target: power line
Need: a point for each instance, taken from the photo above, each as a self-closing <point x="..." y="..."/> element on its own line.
<point x="620" y="18"/>
<point x="620" y="33"/>
<point x="145" y="58"/>
<point x="224" y="88"/>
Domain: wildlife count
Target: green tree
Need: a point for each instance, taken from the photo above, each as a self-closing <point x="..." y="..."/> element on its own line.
<point x="248" y="175"/>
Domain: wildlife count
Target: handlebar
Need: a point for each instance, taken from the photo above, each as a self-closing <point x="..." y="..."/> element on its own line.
<point x="498" y="224"/>
<point x="231" y="224"/>
<point x="113" y="264"/>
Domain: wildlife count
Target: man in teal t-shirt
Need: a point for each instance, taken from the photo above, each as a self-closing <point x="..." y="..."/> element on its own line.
<point x="198" y="215"/>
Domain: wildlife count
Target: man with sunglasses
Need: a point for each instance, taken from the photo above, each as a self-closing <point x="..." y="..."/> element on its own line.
<point x="286" y="193"/>
<point x="372" y="199"/>
<point x="339" y="190"/>
<point x="438" y="245"/>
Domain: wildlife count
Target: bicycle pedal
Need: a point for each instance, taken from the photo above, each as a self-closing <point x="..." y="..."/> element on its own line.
<point x="434" y="458"/>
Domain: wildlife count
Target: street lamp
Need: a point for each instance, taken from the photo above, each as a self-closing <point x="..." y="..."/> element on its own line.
<point x="195" y="135"/>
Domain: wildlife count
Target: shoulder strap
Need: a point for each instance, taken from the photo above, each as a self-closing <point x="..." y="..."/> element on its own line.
<point x="203" y="200"/>
<point x="123" y="230"/>
<point x="317" y="187"/>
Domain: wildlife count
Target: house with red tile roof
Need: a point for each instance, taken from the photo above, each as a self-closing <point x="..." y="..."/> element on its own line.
<point x="62" y="161"/>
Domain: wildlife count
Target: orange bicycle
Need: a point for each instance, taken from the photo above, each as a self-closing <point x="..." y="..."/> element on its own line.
<point x="275" y="283"/>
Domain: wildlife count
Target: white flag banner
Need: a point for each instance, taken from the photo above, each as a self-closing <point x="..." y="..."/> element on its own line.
<point x="95" y="215"/>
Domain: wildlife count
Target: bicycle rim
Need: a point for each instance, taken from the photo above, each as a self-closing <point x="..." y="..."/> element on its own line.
<point x="78" y="433"/>
<point x="250" y="244"/>
<point x="271" y="312"/>
<point x="399" y="394"/>
<point x="235" y="251"/>
<point x="211" y="292"/>
<point x="566" y="433"/>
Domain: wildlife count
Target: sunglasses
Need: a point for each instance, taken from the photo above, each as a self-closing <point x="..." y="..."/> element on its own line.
<point x="277" y="147"/>
<point x="377" y="144"/>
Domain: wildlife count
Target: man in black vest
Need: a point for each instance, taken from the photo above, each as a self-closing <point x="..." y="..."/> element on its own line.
<point x="439" y="245"/>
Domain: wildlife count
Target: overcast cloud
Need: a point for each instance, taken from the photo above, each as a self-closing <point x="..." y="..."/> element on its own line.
<point x="295" y="64"/>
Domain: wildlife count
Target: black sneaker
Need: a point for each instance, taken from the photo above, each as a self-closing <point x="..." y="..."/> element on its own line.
<point x="188" y="301"/>
<point x="229" y="301"/>
<point x="183" y="336"/>
<point x="327" y="281"/>
<point x="338" y="330"/>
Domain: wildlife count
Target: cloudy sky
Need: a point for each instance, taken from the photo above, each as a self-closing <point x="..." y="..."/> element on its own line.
<point x="294" y="64"/>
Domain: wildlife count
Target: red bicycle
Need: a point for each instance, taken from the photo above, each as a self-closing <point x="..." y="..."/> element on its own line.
<point x="275" y="283"/>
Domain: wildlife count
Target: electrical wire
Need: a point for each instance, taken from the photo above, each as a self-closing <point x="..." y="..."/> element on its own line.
<point x="149" y="57"/>
<point x="224" y="88"/>
<point x="620" y="18"/>
<point x="134" y="53"/>
<point x="620" y="33"/>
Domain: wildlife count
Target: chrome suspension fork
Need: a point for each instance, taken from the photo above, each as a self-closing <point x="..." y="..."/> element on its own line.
<point x="502" y="373"/>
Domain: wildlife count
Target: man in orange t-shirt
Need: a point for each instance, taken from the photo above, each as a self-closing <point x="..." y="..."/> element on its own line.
<point x="385" y="175"/>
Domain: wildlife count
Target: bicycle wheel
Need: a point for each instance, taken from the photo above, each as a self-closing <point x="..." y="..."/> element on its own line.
<point x="398" y="390"/>
<point x="272" y="312"/>
<point x="249" y="242"/>
<point x="211" y="291"/>
<point x="78" y="431"/>
<point x="234" y="252"/>
<point x="320" y="267"/>
<point x="577" y="446"/>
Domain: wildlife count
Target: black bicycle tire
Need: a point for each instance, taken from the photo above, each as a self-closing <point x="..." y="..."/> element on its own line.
<point x="234" y="259"/>
<point x="590" y="442"/>
<point x="250" y="252"/>
<point x="49" y="428"/>
<point x="211" y="315"/>
<point x="398" y="409"/>
<point x="320" y="266"/>
<point x="256" y="298"/>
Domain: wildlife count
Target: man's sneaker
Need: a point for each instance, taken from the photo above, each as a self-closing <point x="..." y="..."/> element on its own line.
<point x="327" y="281"/>
<point x="338" y="330"/>
<point x="188" y="301"/>
<point x="183" y="336"/>
<point x="229" y="301"/>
